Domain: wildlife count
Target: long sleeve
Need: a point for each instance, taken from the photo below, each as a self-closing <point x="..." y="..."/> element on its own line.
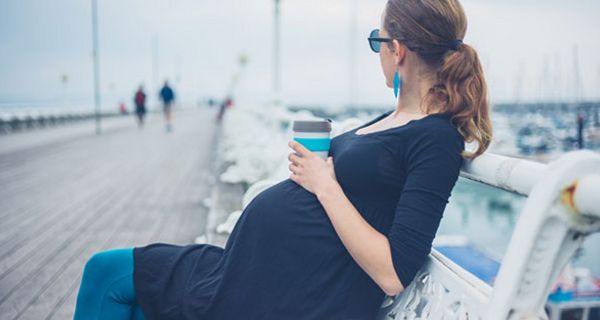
<point x="432" y="167"/>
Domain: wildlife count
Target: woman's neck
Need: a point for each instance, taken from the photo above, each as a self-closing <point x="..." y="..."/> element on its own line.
<point x="413" y="92"/>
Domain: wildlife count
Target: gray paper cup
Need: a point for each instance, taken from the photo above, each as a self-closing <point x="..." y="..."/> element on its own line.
<point x="315" y="135"/>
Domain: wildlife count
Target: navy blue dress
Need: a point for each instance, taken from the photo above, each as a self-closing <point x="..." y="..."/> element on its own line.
<point x="284" y="259"/>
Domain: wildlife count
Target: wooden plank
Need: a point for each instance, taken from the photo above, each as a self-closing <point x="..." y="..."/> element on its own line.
<point x="121" y="190"/>
<point x="33" y="277"/>
<point x="45" y="301"/>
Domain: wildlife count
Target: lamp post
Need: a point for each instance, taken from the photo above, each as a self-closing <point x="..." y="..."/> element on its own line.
<point x="96" y="65"/>
<point x="155" y="63"/>
<point x="64" y="80"/>
<point x="276" y="54"/>
<point x="352" y="89"/>
<point x="243" y="61"/>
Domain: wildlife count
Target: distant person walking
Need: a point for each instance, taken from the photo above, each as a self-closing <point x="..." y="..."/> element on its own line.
<point x="226" y="104"/>
<point x="140" y="105"/>
<point x="167" y="96"/>
<point x="122" y="108"/>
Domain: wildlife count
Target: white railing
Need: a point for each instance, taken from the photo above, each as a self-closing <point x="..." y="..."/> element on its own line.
<point x="19" y="118"/>
<point x="562" y="208"/>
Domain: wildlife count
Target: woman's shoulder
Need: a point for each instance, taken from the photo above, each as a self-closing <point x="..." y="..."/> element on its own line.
<point x="435" y="127"/>
<point x="435" y="135"/>
<point x="447" y="127"/>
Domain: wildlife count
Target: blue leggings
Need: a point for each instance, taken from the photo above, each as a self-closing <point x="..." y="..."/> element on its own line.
<point x="107" y="290"/>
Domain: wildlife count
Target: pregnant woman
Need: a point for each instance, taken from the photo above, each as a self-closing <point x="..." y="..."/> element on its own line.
<point x="337" y="236"/>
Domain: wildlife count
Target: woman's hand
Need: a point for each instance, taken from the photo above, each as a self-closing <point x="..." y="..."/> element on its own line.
<point x="309" y="170"/>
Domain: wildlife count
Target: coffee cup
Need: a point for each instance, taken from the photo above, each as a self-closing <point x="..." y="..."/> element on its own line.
<point x="314" y="135"/>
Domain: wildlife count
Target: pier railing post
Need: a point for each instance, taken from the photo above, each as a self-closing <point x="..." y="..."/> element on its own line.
<point x="551" y="227"/>
<point x="96" y="65"/>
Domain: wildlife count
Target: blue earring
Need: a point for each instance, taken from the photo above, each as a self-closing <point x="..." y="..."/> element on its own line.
<point x="397" y="84"/>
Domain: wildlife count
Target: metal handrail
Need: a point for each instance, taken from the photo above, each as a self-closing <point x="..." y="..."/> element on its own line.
<point x="521" y="175"/>
<point x="507" y="173"/>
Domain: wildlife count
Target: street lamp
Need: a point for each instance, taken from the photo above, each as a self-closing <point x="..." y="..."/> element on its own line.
<point x="352" y="88"/>
<point x="243" y="61"/>
<point x="64" y="80"/>
<point x="96" y="65"/>
<point x="276" y="55"/>
<point x="155" y="63"/>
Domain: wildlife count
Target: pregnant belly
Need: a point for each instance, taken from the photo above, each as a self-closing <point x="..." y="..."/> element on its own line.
<point x="288" y="210"/>
<point x="285" y="238"/>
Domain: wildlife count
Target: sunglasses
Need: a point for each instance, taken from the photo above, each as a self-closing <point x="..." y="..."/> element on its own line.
<point x="375" y="41"/>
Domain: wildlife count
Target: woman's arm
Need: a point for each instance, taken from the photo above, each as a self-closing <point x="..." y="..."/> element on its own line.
<point x="369" y="248"/>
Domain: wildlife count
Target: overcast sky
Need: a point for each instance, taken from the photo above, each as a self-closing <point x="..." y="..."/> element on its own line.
<point x="529" y="49"/>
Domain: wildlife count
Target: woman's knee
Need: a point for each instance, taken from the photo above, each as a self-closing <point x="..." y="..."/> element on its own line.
<point x="107" y="284"/>
<point x="98" y="264"/>
<point x="105" y="263"/>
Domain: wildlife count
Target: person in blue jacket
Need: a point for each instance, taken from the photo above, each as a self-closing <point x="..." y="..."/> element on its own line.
<point x="167" y="96"/>
<point x="340" y="234"/>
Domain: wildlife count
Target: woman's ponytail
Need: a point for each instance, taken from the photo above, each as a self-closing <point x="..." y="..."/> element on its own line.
<point x="461" y="91"/>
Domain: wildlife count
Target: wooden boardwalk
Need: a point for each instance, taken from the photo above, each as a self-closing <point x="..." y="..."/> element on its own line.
<point x="67" y="193"/>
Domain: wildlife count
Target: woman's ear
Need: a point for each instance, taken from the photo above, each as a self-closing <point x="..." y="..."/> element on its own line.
<point x="399" y="52"/>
